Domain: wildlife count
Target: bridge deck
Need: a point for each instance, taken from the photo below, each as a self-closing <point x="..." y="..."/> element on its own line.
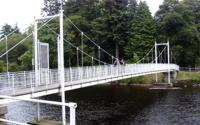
<point x="23" y="83"/>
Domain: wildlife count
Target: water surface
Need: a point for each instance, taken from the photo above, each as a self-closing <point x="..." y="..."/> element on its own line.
<point x="120" y="105"/>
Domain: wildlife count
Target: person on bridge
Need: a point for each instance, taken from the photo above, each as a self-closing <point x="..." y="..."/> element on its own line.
<point x="116" y="62"/>
<point x="122" y="62"/>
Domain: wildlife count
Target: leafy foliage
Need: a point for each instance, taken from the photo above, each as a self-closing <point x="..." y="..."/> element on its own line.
<point x="143" y="33"/>
<point x="124" y="28"/>
<point x="178" y="22"/>
<point x="19" y="58"/>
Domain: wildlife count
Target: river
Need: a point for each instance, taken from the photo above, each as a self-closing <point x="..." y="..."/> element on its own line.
<point x="120" y="105"/>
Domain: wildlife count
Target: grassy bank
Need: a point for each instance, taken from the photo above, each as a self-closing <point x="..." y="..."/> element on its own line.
<point x="186" y="75"/>
<point x="148" y="79"/>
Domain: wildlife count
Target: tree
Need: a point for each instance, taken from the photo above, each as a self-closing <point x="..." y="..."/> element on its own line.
<point x="26" y="60"/>
<point x="6" y="29"/>
<point x="179" y="25"/>
<point x="132" y="7"/>
<point x="143" y="33"/>
<point x="166" y="7"/>
<point x="111" y="29"/>
<point x="51" y="7"/>
<point x="15" y="62"/>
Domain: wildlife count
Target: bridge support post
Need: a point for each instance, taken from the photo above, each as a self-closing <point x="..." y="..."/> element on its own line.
<point x="38" y="112"/>
<point x="156" y="60"/>
<point x="3" y="111"/>
<point x="61" y="66"/>
<point x="73" y="113"/>
<point x="172" y="76"/>
<point x="168" y="58"/>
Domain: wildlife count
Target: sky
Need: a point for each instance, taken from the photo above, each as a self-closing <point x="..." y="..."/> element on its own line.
<point x="22" y="12"/>
<point x="154" y="5"/>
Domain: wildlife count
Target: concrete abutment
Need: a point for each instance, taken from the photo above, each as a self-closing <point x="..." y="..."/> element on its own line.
<point x="3" y="112"/>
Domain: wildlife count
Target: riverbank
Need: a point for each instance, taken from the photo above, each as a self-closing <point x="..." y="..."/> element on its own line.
<point x="185" y="79"/>
<point x="142" y="80"/>
<point x="186" y="75"/>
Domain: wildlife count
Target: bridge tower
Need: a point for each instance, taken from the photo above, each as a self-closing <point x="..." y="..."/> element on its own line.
<point x="60" y="54"/>
<point x="168" y="58"/>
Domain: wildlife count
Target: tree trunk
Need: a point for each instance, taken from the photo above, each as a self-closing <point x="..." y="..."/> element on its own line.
<point x="117" y="50"/>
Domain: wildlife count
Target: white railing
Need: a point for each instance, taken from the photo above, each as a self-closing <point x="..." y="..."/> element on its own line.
<point x="72" y="106"/>
<point x="24" y="81"/>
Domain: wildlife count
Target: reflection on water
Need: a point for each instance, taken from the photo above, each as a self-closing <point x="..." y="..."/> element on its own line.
<point x="120" y="105"/>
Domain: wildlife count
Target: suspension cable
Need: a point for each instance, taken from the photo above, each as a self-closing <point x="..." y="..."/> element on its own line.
<point x="25" y="38"/>
<point x="87" y="36"/>
<point x="146" y="55"/>
<point x="9" y="34"/>
<point x="159" y="55"/>
<point x="160" y="59"/>
<point x="77" y="56"/>
<point x="76" y="47"/>
<point x="99" y="48"/>
<point x="165" y="56"/>
<point x="82" y="47"/>
<point x="92" y="61"/>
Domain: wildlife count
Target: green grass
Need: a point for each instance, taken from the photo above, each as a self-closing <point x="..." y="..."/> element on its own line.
<point x="185" y="75"/>
<point x="148" y="79"/>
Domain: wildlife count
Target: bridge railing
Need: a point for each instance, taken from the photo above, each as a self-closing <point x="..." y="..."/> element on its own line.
<point x="12" y="82"/>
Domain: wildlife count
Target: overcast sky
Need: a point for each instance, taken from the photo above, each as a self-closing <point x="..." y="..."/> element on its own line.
<point x="22" y="12"/>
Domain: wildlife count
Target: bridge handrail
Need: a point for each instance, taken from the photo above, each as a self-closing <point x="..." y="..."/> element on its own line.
<point x="13" y="81"/>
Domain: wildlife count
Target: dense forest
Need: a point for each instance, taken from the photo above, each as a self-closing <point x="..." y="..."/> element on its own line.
<point x="124" y="28"/>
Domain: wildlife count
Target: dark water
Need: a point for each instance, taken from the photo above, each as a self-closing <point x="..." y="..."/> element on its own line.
<point x="120" y="105"/>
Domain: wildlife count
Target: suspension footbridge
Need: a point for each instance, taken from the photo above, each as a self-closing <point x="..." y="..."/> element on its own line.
<point x="42" y="81"/>
<point x="24" y="84"/>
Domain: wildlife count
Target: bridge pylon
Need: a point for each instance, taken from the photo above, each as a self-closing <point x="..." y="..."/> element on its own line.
<point x="168" y="58"/>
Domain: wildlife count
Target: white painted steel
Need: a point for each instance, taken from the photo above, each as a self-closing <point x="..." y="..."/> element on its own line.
<point x="38" y="111"/>
<point x="6" y="53"/>
<point x="168" y="58"/>
<point x="47" y="17"/>
<point x="156" y="60"/>
<point x="73" y="114"/>
<point x="13" y="83"/>
<point x="36" y="51"/>
<point x="71" y="105"/>
<point x="12" y="122"/>
<point x="168" y="61"/>
<point x="61" y="67"/>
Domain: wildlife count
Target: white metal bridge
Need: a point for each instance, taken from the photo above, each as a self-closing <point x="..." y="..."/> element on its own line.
<point x="24" y="84"/>
<point x="41" y="81"/>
